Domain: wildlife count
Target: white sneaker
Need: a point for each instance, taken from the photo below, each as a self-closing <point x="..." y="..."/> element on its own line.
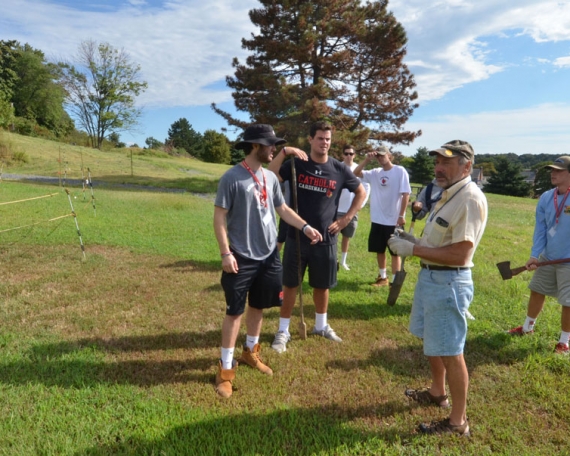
<point x="280" y="342"/>
<point x="345" y="266"/>
<point x="327" y="333"/>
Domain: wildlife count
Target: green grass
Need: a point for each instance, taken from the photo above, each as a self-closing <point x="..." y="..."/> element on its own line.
<point x="117" y="354"/>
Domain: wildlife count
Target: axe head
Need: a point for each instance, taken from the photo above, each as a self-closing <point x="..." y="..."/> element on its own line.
<point x="505" y="270"/>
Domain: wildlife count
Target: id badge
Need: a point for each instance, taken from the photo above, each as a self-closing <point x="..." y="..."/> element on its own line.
<point x="552" y="231"/>
<point x="267" y="218"/>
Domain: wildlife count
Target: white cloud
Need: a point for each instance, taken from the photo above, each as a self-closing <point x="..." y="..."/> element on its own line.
<point x="448" y="37"/>
<point x="562" y="62"/>
<point x="181" y="48"/>
<point x="537" y="129"/>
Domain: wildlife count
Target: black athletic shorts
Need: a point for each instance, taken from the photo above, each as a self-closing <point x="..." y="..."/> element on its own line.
<point x="320" y="259"/>
<point x="261" y="280"/>
<point x="378" y="238"/>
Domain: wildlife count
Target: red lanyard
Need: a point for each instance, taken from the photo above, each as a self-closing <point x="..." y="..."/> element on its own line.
<point x="263" y="195"/>
<point x="561" y="208"/>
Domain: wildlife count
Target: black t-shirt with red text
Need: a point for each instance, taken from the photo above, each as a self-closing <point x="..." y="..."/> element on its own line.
<point x="319" y="186"/>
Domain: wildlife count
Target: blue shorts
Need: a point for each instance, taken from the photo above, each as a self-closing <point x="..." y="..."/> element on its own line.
<point x="258" y="281"/>
<point x="441" y="299"/>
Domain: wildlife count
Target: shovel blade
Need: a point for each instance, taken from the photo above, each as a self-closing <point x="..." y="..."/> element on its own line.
<point x="396" y="286"/>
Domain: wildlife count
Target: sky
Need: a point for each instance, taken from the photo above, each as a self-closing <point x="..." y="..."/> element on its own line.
<point x="495" y="73"/>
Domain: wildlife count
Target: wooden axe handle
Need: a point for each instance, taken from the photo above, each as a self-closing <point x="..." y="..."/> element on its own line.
<point x="520" y="269"/>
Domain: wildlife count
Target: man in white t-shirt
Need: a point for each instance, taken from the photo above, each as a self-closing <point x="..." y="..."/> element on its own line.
<point x="344" y="203"/>
<point x="389" y="195"/>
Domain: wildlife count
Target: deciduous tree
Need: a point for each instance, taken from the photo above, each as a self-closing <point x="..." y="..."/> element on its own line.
<point x="216" y="147"/>
<point x="101" y="93"/>
<point x="338" y="60"/>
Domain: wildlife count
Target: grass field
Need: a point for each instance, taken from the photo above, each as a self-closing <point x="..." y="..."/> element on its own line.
<point x="116" y="354"/>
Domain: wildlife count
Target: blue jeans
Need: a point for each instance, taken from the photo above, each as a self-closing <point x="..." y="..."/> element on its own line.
<point x="441" y="299"/>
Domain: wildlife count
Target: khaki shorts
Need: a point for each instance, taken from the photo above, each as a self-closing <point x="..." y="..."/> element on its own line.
<point x="552" y="280"/>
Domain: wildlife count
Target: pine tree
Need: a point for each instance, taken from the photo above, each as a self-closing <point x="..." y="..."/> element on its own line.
<point x="507" y="179"/>
<point x="421" y="169"/>
<point x="337" y="60"/>
<point x="181" y="135"/>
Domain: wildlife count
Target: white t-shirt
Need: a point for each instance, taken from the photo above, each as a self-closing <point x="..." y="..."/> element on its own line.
<point x="386" y="189"/>
<point x="346" y="197"/>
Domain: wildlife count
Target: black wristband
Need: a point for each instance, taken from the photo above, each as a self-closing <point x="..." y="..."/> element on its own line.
<point x="304" y="227"/>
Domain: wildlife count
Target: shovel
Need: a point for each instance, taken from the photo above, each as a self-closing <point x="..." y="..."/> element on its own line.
<point x="397" y="285"/>
<point x="400" y="276"/>
<point x="508" y="273"/>
<point x="302" y="324"/>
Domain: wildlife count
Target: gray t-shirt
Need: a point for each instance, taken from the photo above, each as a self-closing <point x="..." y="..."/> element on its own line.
<point x="251" y="224"/>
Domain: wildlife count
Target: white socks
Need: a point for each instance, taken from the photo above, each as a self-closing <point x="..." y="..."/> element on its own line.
<point x="320" y="321"/>
<point x="227" y="358"/>
<point x="284" y="325"/>
<point x="343" y="257"/>
<point x="382" y="273"/>
<point x="564" y="337"/>
<point x="250" y="341"/>
<point x="529" y="324"/>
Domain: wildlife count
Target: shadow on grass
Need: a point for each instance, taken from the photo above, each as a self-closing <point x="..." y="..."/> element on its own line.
<point x="482" y="350"/>
<point x="79" y="364"/>
<point x="319" y="430"/>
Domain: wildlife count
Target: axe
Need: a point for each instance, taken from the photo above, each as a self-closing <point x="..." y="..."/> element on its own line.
<point x="508" y="273"/>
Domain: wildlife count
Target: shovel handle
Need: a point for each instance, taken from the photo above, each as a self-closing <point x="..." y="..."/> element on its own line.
<point x="520" y="269"/>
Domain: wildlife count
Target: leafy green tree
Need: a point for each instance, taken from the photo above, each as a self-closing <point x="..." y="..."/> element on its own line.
<point x="542" y="182"/>
<point x="152" y="143"/>
<point x="216" y="147"/>
<point x="37" y="94"/>
<point x="507" y="179"/>
<point x="421" y="168"/>
<point x="181" y="135"/>
<point x="115" y="139"/>
<point x="339" y="60"/>
<point x="102" y="96"/>
<point x="7" y="74"/>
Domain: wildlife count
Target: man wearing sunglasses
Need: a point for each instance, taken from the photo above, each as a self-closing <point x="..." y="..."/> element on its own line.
<point x="344" y="204"/>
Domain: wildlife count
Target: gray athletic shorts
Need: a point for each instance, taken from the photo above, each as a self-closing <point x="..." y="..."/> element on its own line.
<point x="349" y="230"/>
<point x="552" y="280"/>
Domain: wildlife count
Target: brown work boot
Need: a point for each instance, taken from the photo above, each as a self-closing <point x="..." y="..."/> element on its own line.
<point x="381" y="282"/>
<point x="251" y="358"/>
<point x="224" y="379"/>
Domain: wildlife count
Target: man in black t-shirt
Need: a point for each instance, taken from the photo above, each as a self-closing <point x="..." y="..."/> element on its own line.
<point x="320" y="180"/>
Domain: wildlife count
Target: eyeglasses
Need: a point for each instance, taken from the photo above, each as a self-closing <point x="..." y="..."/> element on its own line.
<point x="348" y="153"/>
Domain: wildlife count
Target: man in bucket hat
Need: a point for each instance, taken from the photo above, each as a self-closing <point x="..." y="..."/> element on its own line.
<point x="246" y="231"/>
<point x="551" y="242"/>
<point x="444" y="288"/>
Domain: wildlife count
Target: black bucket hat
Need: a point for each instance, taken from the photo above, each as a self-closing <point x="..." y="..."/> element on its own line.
<point x="260" y="134"/>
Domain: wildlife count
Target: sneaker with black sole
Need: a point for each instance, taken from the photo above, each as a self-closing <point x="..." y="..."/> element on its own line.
<point x="445" y="427"/>
<point x="327" y="332"/>
<point x="519" y="331"/>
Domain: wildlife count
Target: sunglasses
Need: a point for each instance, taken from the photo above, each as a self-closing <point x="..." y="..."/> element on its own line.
<point x="348" y="153"/>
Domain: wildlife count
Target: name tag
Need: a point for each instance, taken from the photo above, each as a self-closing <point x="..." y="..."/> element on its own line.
<point x="267" y="218"/>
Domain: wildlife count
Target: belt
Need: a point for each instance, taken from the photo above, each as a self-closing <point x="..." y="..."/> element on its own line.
<point x="434" y="267"/>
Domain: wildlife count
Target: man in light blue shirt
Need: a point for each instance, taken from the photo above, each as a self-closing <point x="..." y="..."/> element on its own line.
<point x="550" y="242"/>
